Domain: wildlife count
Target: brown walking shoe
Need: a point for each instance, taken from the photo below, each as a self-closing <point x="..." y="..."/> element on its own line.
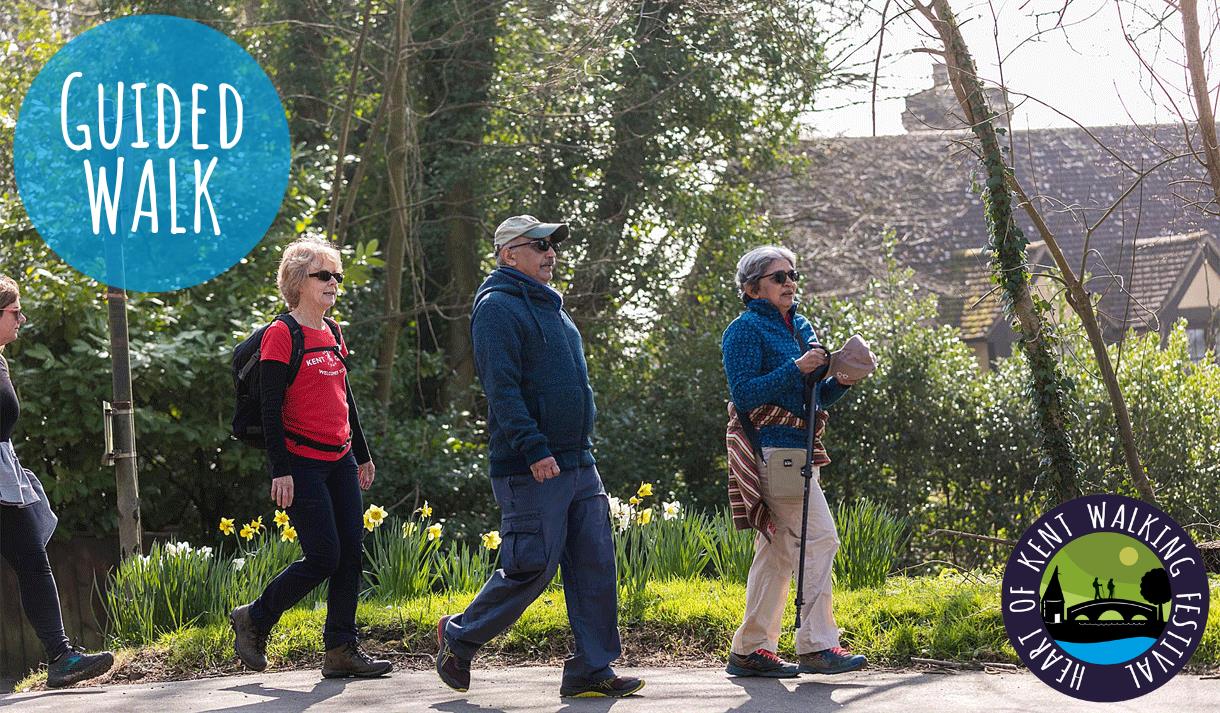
<point x="347" y="660"/>
<point x="249" y="643"/>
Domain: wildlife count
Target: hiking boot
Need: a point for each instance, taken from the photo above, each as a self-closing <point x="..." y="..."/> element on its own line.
<point x="613" y="687"/>
<point x="453" y="669"/>
<point x="249" y="643"/>
<point x="760" y="663"/>
<point x="74" y="666"/>
<point x="832" y="660"/>
<point x="348" y="660"/>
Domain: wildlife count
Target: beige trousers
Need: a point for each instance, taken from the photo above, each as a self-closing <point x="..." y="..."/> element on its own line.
<point x="772" y="571"/>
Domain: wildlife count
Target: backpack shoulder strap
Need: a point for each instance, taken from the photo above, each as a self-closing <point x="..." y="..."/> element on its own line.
<point x="334" y="330"/>
<point x="298" y="344"/>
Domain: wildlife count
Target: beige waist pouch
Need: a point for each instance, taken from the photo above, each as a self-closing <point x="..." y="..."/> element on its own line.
<point x="781" y="474"/>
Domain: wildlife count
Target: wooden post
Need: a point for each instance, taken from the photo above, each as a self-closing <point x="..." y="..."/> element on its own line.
<point x="126" y="477"/>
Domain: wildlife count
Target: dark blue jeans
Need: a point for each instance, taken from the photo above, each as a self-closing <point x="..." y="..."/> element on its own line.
<point x="563" y="523"/>
<point x="327" y="513"/>
<point x="21" y="548"/>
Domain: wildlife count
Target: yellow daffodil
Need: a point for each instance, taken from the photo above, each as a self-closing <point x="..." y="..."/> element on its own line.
<point x="226" y="526"/>
<point x="368" y="522"/>
<point x="248" y="532"/>
<point x="434" y="532"/>
<point x="634" y="500"/>
<point x="645" y="490"/>
<point x="408" y="529"/>
<point x="645" y="516"/>
<point x="376" y="514"/>
<point x="288" y="534"/>
<point x="425" y="511"/>
<point x="281" y="518"/>
<point x="257" y="524"/>
<point x="491" y="540"/>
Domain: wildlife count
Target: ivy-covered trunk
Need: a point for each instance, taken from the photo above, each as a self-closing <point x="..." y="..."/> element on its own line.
<point x="1049" y="389"/>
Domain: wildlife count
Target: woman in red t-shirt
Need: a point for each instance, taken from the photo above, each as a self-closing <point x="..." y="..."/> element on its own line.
<point x="319" y="462"/>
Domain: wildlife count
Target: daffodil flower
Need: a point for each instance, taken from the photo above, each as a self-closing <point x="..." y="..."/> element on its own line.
<point x="669" y="511"/>
<point x="645" y="516"/>
<point x="238" y="563"/>
<point x="368" y="523"/>
<point x="376" y="514"/>
<point x="634" y="500"/>
<point x="281" y="518"/>
<point x="226" y="526"/>
<point x="247" y="531"/>
<point x="408" y="529"/>
<point x="645" y="490"/>
<point x="288" y="534"/>
<point x="434" y="532"/>
<point x="425" y="511"/>
<point x="491" y="540"/>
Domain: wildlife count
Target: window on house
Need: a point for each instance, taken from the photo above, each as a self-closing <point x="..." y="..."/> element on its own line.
<point x="1197" y="340"/>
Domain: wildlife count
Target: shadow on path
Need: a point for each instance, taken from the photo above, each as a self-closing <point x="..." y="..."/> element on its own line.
<point x="813" y="696"/>
<point x="283" y="700"/>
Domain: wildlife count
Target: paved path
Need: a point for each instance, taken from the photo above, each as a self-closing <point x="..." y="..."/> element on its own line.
<point x="672" y="690"/>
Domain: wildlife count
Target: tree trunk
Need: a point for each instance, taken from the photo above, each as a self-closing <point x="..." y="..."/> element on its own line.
<point x="644" y="74"/>
<point x="1048" y="388"/>
<point x="1196" y="69"/>
<point x="402" y="169"/>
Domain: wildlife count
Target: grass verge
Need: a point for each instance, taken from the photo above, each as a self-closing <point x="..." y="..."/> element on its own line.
<point x="686" y="622"/>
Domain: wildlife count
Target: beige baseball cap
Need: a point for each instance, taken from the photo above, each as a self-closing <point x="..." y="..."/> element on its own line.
<point x="530" y="227"/>
<point x="854" y="361"/>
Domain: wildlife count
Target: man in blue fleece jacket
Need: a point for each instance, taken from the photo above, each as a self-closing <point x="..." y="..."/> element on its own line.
<point x="555" y="513"/>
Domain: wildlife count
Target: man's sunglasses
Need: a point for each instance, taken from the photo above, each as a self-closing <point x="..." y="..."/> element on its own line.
<point x="16" y="312"/>
<point x="325" y="275"/>
<point x="539" y="244"/>
<point x="779" y="277"/>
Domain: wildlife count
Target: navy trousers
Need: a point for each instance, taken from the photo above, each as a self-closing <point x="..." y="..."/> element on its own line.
<point x="22" y="549"/>
<point x="563" y="522"/>
<point x="327" y="513"/>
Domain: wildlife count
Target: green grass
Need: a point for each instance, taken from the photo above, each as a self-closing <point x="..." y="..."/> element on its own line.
<point x="947" y="617"/>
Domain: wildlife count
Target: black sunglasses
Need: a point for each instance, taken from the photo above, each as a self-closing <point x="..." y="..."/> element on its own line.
<point x="779" y="277"/>
<point x="325" y="275"/>
<point x="539" y="244"/>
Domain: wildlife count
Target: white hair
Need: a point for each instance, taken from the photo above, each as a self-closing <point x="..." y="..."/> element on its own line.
<point x="754" y="264"/>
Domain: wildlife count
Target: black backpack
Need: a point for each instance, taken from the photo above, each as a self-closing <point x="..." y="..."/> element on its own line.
<point x="248" y="415"/>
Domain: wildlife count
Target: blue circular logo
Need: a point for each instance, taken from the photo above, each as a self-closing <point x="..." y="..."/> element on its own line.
<point x="152" y="153"/>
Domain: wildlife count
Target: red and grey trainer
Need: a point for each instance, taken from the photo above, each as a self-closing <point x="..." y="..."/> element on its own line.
<point x="761" y="663"/>
<point x="453" y="670"/>
<point x="833" y="660"/>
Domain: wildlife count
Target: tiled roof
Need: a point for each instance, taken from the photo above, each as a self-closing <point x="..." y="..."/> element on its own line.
<point x="849" y="190"/>
<point x="1158" y="268"/>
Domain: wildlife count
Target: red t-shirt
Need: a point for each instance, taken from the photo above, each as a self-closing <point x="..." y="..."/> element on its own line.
<point x="315" y="404"/>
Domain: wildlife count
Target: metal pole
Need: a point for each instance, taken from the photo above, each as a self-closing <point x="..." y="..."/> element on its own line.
<point x="126" y="478"/>
<point x="811" y="425"/>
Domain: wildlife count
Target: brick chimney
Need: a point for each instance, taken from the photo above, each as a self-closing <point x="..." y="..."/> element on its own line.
<point x="936" y="109"/>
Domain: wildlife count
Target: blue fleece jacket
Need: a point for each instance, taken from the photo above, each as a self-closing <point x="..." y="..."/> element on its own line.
<point x="531" y="361"/>
<point x="760" y="353"/>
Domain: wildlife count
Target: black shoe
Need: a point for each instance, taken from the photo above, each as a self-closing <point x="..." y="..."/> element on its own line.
<point x="453" y="669"/>
<point x="760" y="663"/>
<point x="74" y="666"/>
<point x="613" y="687"/>
<point x="249" y="643"/>
<point x="348" y="660"/>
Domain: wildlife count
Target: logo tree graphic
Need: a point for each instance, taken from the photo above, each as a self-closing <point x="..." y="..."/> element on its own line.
<point x="1154" y="588"/>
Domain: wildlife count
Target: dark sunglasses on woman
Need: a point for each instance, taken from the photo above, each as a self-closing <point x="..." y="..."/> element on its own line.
<point x="325" y="275"/>
<point x="539" y="244"/>
<point x="779" y="277"/>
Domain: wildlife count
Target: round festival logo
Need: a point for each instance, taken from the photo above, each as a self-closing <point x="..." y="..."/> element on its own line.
<point x="1105" y="598"/>
<point x="151" y="153"/>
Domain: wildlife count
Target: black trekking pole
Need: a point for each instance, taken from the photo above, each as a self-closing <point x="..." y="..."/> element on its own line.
<point x="811" y="424"/>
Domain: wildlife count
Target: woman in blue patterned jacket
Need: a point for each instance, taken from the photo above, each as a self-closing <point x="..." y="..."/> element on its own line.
<point x="768" y="352"/>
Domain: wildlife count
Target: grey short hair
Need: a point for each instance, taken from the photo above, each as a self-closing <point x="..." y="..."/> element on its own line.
<point x="752" y="265"/>
<point x="294" y="265"/>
